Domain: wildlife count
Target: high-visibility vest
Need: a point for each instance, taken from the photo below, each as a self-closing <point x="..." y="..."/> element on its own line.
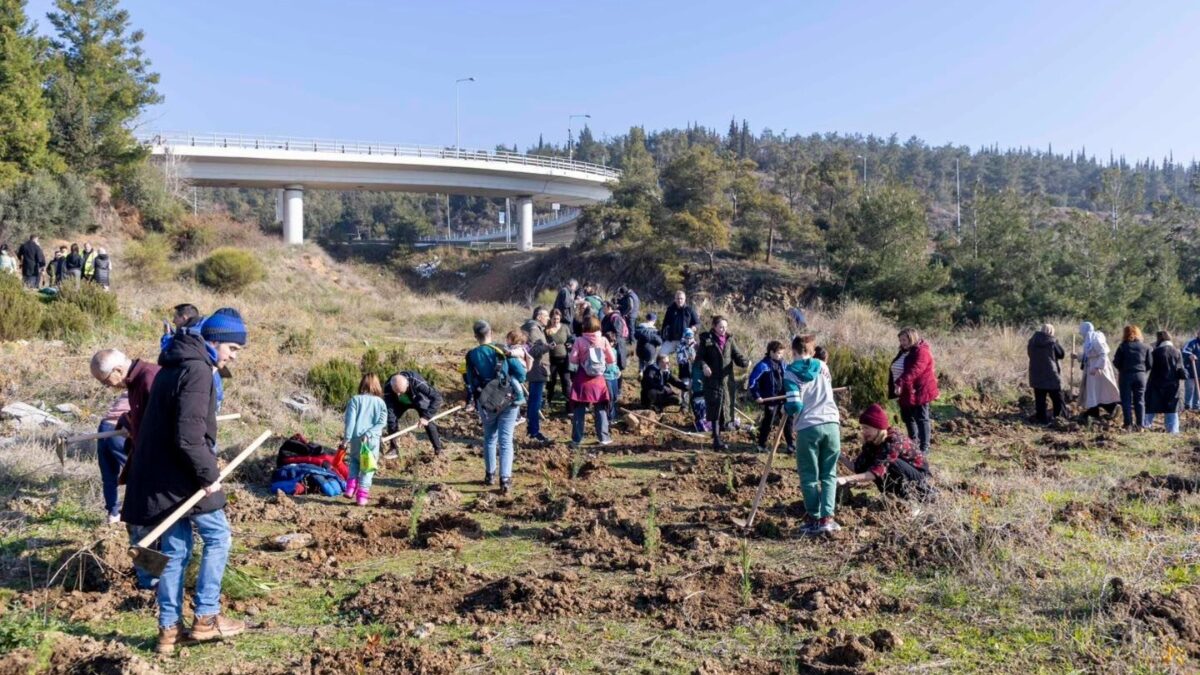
<point x="89" y="264"/>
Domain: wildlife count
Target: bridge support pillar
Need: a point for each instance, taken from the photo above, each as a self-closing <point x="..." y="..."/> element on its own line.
<point x="279" y="206"/>
<point x="525" y="207"/>
<point x="293" y="214"/>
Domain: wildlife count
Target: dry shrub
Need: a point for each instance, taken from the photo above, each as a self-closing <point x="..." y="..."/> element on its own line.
<point x="149" y="260"/>
<point x="230" y="270"/>
<point x="91" y="299"/>
<point x="20" y="311"/>
<point x="192" y="236"/>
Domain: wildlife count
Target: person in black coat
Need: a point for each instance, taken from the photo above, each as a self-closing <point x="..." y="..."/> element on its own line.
<point x="1045" y="372"/>
<point x="717" y="354"/>
<point x="406" y="391"/>
<point x="74" y="264"/>
<point x="178" y="457"/>
<point x="1162" y="387"/>
<point x="1132" y="361"/>
<point x="33" y="260"/>
<point x="679" y="317"/>
<point x="657" y="384"/>
<point x="102" y="269"/>
<point x="565" y="302"/>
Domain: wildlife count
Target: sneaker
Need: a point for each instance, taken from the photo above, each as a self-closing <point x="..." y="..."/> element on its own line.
<point x="505" y="485"/>
<point x="607" y="441"/>
<point x="541" y="438"/>
<point x="760" y="449"/>
<point x="168" y="637"/>
<point x="215" y="627"/>
<point x="114" y="518"/>
<point x="827" y="526"/>
<point x="489" y="479"/>
<point x="809" y="528"/>
<point x="789" y="450"/>
<point x="520" y="421"/>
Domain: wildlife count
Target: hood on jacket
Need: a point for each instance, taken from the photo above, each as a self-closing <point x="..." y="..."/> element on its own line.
<point x="530" y="324"/>
<point x="592" y="338"/>
<point x="806" y="370"/>
<point x="186" y="346"/>
<point x="1085" y="330"/>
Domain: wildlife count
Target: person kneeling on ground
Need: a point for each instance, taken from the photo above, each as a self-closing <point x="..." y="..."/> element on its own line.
<point x="657" y="381"/>
<point x="818" y="434"/>
<point x="406" y="391"/>
<point x="177" y="457"/>
<point x="889" y="459"/>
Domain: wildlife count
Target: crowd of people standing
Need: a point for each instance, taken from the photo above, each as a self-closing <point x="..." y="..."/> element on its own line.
<point x="69" y="263"/>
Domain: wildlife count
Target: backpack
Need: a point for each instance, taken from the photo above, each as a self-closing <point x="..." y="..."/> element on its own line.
<point x="497" y="395"/>
<point x="596" y="364"/>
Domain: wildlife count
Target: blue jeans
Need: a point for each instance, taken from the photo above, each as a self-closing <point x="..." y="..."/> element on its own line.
<point x="579" y="412"/>
<point x="110" y="453"/>
<point x="498" y="438"/>
<point x="614" y="395"/>
<point x="536" y="389"/>
<point x="145" y="580"/>
<point x="177" y="545"/>
<point x="1171" y="421"/>
<point x="1191" y="400"/>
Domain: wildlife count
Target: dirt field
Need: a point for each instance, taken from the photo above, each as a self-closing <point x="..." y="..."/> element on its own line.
<point x="1049" y="550"/>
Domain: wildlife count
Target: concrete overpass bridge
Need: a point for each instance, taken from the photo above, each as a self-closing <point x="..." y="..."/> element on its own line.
<point x="290" y="165"/>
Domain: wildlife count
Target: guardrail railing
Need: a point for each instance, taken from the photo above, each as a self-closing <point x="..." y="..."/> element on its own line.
<point x="211" y="140"/>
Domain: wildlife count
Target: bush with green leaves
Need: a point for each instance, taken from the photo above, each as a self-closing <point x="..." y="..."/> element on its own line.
<point x="334" y="382"/>
<point x="96" y="303"/>
<point x="230" y="270"/>
<point x="20" y="311"/>
<point x="192" y="236"/>
<point x="64" y="321"/>
<point x="45" y="204"/>
<point x="865" y="373"/>
<point x="384" y="365"/>
<point x="145" y="187"/>
<point x="149" y="260"/>
<point x="297" y="342"/>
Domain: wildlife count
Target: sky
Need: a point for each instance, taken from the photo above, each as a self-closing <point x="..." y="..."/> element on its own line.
<point x="1103" y="74"/>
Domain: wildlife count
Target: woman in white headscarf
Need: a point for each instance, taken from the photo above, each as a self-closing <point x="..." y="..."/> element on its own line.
<point x="1099" y="380"/>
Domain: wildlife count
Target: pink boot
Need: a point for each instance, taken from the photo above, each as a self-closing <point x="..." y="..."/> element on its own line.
<point x="351" y="488"/>
<point x="363" y="494"/>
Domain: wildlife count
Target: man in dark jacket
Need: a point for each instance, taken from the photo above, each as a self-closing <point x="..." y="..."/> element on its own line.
<point x="630" y="305"/>
<point x="657" y="384"/>
<point x="56" y="269"/>
<point x="565" y="301"/>
<point x="538" y="347"/>
<point x="766" y="381"/>
<point x="406" y="391"/>
<point x="679" y="317"/>
<point x="177" y="457"/>
<point x="32" y="261"/>
<point x="648" y="342"/>
<point x="1045" y="372"/>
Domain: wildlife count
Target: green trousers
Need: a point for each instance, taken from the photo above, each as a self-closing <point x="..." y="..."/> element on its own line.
<point x="817" y="452"/>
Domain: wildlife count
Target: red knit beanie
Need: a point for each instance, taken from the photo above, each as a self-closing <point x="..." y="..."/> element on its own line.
<point x="874" y="416"/>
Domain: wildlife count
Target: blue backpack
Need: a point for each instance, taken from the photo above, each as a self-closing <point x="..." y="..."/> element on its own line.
<point x="295" y="479"/>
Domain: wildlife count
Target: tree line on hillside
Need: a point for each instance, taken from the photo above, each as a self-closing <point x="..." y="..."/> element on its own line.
<point x="1020" y="257"/>
<point x="66" y="107"/>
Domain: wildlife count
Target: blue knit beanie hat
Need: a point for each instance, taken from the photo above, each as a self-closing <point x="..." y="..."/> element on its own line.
<point x="225" y="325"/>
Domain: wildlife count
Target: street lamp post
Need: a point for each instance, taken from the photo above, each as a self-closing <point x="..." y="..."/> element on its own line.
<point x="957" y="202"/>
<point x="456" y="107"/>
<point x="569" y="118"/>
<point x="864" y="159"/>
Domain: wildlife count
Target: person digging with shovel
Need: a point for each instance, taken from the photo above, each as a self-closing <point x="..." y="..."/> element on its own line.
<point x="176" y="458"/>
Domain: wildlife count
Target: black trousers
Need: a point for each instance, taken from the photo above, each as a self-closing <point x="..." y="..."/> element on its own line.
<point x="659" y="398"/>
<point x="918" y="424"/>
<point x="771" y="414"/>
<point x="1133" y="399"/>
<point x="1039" y="403"/>
<point x="431" y="429"/>
<point x="560" y="373"/>
<point x="902" y="479"/>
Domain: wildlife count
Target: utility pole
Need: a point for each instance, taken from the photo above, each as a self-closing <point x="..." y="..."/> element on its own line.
<point x="864" y="159"/>
<point x="958" y="202"/>
<point x="456" y="107"/>
<point x="569" y="118"/>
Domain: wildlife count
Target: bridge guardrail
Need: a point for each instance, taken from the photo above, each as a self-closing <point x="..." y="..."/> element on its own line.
<point x="216" y="140"/>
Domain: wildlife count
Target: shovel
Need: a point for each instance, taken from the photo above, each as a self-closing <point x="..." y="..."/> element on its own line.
<point x="155" y="562"/>
<point x="762" y="482"/>
<point x="409" y="429"/>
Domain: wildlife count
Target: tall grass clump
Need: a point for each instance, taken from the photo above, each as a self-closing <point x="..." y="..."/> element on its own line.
<point x="230" y="270"/>
<point x="96" y="303"/>
<point x="386" y="364"/>
<point x="866" y="373"/>
<point x="64" y="321"/>
<point x="149" y="260"/>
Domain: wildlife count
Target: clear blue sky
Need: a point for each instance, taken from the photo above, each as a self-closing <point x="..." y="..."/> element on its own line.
<point x="1103" y="74"/>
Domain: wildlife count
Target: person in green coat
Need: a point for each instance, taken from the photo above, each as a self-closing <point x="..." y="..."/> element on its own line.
<point x="717" y="354"/>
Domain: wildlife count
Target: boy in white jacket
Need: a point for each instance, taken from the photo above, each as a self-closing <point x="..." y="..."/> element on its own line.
<point x="810" y="400"/>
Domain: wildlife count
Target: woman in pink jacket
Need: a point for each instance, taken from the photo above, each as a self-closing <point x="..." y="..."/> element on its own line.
<point x="590" y="355"/>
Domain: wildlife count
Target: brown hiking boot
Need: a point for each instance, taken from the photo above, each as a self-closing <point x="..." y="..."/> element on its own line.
<point x="167" y="638"/>
<point x="216" y="627"/>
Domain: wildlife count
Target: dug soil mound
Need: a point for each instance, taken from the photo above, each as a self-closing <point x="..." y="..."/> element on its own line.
<point x="1175" y="616"/>
<point x="72" y="655"/>
<point x="377" y="657"/>
<point x="555" y="594"/>
<point x="99" y="567"/>
<point x="839" y="653"/>
<point x="448" y="531"/>
<point x="1167" y="488"/>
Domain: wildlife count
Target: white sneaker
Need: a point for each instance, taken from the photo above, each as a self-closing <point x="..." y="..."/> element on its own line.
<point x="608" y="442"/>
<point x="113" y="520"/>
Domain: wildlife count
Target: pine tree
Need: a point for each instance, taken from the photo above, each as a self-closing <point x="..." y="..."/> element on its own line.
<point x="24" y="116"/>
<point x="101" y="84"/>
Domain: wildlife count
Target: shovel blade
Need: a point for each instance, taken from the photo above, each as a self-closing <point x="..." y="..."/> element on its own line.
<point x="149" y="560"/>
<point x="743" y="524"/>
